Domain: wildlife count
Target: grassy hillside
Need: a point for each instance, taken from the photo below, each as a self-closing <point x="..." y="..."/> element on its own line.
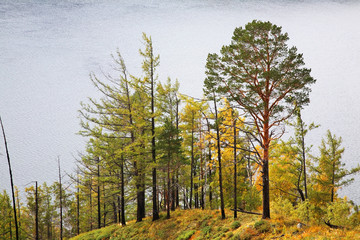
<point x="207" y="224"/>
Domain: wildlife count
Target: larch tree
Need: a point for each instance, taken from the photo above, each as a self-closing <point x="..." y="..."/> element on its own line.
<point x="259" y="72"/>
<point x="150" y="63"/>
<point x="330" y="174"/>
<point x="191" y="118"/>
<point x="169" y="137"/>
<point x="302" y="151"/>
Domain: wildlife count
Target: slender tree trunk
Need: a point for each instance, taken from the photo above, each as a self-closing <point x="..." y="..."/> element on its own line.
<point x="60" y="200"/>
<point x="104" y="207"/>
<point x="119" y="208"/>
<point x="168" y="189"/>
<point x="210" y="190"/>
<point x="196" y="190"/>
<point x="192" y="163"/>
<point x="123" y="219"/>
<point x="303" y="154"/>
<point x="210" y="178"/>
<point x="91" y="205"/>
<point x="333" y="183"/>
<point x="78" y="206"/>
<point x="299" y="180"/>
<point x="164" y="195"/>
<point x="153" y="150"/>
<point x="177" y="190"/>
<point x="140" y="186"/>
<point x="173" y="192"/>
<point x="177" y="136"/>
<point x="18" y="207"/>
<point x="11" y="182"/>
<point x="235" y="172"/>
<point x="36" y="212"/>
<point x="98" y="194"/>
<point x="201" y="176"/>
<point x="219" y="161"/>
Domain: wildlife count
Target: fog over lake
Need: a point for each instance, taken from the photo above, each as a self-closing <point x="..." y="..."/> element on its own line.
<point x="49" y="47"/>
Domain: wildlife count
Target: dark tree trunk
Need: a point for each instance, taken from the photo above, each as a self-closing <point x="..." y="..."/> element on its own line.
<point x="122" y="204"/>
<point x="61" y="204"/>
<point x="77" y="206"/>
<point x="201" y="176"/>
<point x="303" y="157"/>
<point x="219" y="161"/>
<point x="192" y="163"/>
<point x="153" y="150"/>
<point x="235" y="172"/>
<point x="266" y="187"/>
<point x="11" y="181"/>
<point x="210" y="191"/>
<point x="98" y="193"/>
<point x="119" y="208"/>
<point x="210" y="177"/>
<point x="104" y="207"/>
<point x="173" y="193"/>
<point x="196" y="190"/>
<point x="36" y="212"/>
<point x="91" y="205"/>
<point x="168" y="190"/>
<point x="177" y="172"/>
<point x="333" y="183"/>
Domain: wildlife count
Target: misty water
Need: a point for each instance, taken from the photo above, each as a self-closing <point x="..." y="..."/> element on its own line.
<point x="49" y="47"/>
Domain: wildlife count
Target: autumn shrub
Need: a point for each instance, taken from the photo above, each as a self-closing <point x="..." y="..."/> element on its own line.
<point x="235" y="225"/>
<point x="262" y="226"/>
<point x="338" y="213"/>
<point x="230" y="234"/>
<point x="306" y="212"/>
<point x="246" y="234"/>
<point x="225" y="229"/>
<point x="252" y="199"/>
<point x="186" y="235"/>
<point x="206" y="230"/>
<point x="282" y="207"/>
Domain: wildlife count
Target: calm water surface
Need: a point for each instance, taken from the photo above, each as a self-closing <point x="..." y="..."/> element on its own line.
<point x="48" y="48"/>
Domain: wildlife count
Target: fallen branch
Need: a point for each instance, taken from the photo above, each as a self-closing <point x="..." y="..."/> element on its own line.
<point x="333" y="226"/>
<point x="243" y="211"/>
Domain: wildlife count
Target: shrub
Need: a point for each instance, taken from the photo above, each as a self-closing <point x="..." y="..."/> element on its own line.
<point x="186" y="235"/>
<point x="338" y="212"/>
<point x="282" y="207"/>
<point x="225" y="229"/>
<point x="262" y="226"/>
<point x="306" y="212"/>
<point x="206" y="230"/>
<point x="235" y="225"/>
<point x="246" y="234"/>
<point x="252" y="199"/>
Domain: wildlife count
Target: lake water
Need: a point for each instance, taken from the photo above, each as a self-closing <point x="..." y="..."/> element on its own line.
<point x="49" y="47"/>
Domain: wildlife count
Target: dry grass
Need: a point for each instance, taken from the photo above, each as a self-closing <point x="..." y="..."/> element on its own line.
<point x="207" y="224"/>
